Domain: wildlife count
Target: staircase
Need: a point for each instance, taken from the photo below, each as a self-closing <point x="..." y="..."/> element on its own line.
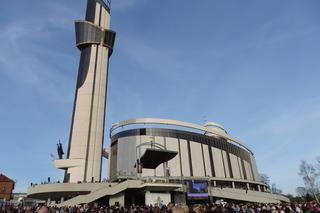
<point x="111" y="189"/>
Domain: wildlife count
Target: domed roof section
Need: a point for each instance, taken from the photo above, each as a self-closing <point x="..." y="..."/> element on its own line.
<point x="217" y="127"/>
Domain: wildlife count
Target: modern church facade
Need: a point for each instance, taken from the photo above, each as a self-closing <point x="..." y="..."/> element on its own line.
<point x="202" y="151"/>
<point x="150" y="160"/>
<point x="160" y="150"/>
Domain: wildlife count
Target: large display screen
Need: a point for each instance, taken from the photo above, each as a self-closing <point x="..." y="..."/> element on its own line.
<point x="197" y="190"/>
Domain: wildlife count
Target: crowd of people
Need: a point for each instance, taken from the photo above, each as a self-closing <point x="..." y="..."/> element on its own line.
<point x="308" y="207"/>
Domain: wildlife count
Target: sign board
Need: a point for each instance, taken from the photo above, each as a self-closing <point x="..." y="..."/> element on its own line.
<point x="197" y="190"/>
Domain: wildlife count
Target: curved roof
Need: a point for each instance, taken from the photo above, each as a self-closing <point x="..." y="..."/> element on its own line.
<point x="182" y="124"/>
<point x="213" y="125"/>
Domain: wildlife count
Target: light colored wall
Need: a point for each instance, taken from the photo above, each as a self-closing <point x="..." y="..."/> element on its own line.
<point x="217" y="161"/>
<point x="117" y="198"/>
<point x="127" y="151"/>
<point x="81" y="122"/>
<point x="240" y="168"/>
<point x="113" y="161"/>
<point x="197" y="160"/>
<point x="172" y="144"/>
<point x="185" y="157"/>
<point x="248" y="170"/>
<point x="207" y="160"/>
<point x="235" y="166"/>
<point x="256" y="176"/>
<point x="226" y="164"/>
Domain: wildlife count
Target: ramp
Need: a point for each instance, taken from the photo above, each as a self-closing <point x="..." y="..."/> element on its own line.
<point x="111" y="189"/>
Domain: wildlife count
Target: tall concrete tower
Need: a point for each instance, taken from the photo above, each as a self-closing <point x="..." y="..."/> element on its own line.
<point x="95" y="40"/>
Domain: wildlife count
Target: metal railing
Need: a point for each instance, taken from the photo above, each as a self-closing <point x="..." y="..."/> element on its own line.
<point x="107" y="2"/>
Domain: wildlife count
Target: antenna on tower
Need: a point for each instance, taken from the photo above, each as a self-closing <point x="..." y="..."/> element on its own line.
<point x="205" y="119"/>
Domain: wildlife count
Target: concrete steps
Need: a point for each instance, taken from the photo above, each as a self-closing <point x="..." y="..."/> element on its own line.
<point x="112" y="189"/>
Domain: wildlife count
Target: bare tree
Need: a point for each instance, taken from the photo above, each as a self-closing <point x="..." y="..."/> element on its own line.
<point x="309" y="175"/>
<point x="318" y="165"/>
<point x="264" y="178"/>
<point x="275" y="189"/>
<point x="301" y="191"/>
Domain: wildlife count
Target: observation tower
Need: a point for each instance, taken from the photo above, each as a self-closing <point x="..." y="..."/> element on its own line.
<point x="95" y="41"/>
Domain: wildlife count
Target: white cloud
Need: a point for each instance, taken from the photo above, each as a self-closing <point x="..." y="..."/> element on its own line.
<point x="22" y="57"/>
<point x="286" y="135"/>
<point x="291" y="118"/>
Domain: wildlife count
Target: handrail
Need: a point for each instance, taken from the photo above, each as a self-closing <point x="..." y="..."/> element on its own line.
<point x="107" y="2"/>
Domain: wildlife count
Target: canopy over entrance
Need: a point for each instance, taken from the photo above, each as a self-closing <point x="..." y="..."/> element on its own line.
<point x="152" y="158"/>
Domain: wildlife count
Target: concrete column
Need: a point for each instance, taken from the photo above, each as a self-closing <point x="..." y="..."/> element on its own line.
<point x="259" y="188"/>
<point x="233" y="185"/>
<point x="248" y="186"/>
<point x="61" y="199"/>
<point x="215" y="183"/>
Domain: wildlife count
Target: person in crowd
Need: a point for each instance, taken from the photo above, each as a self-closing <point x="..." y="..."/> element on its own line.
<point x="307" y="207"/>
<point x="180" y="208"/>
<point x="43" y="209"/>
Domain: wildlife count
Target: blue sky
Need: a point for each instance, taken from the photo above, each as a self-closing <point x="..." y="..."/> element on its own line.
<point x="250" y="65"/>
